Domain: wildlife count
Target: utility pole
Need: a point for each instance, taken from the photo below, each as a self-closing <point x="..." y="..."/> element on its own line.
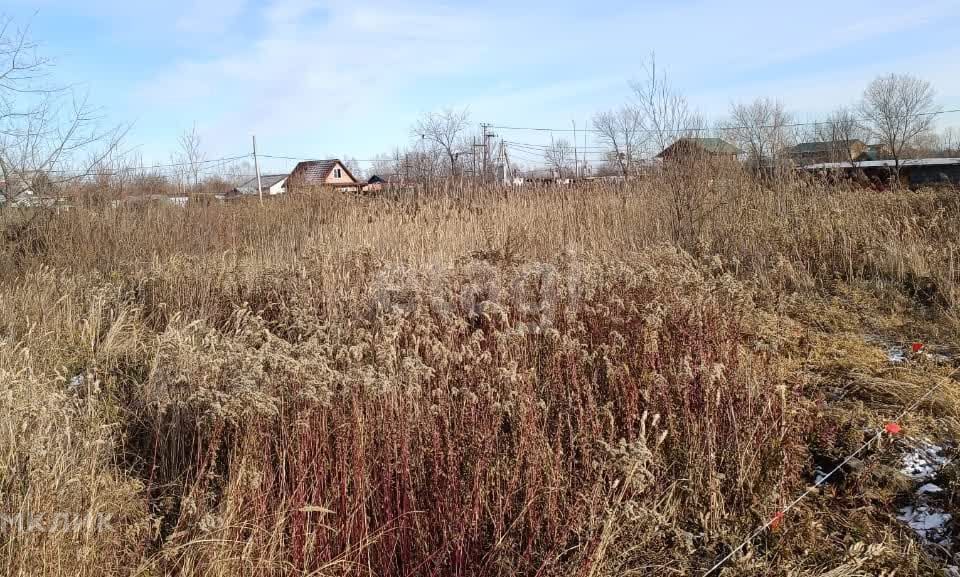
<point x="483" y="176"/>
<point x="256" y="166"/>
<point x="576" y="156"/>
<point x="479" y="166"/>
<point x="506" y="164"/>
<point x="486" y="136"/>
<point x="585" y="146"/>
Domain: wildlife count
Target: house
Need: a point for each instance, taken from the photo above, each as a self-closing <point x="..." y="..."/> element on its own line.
<point x="324" y="173"/>
<point x="21" y="196"/>
<point x="874" y="152"/>
<point x="15" y="194"/>
<point x="826" y="151"/>
<point x="712" y="147"/>
<point x="271" y="184"/>
<point x="390" y="182"/>
<point x="23" y="199"/>
<point x="376" y="183"/>
<point x="913" y="172"/>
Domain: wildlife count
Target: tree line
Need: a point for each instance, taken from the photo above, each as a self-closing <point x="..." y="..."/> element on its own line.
<point x="51" y="137"/>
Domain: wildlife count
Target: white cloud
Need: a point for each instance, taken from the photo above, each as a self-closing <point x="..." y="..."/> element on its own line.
<point x="321" y="76"/>
<point x="315" y="68"/>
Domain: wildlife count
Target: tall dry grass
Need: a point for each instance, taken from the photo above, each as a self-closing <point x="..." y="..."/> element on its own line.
<point x="805" y="231"/>
<point x="505" y="382"/>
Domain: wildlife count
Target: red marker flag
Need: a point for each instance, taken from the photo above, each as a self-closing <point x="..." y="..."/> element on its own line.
<point x="892" y="428"/>
<point x="916" y="347"/>
<point x="776" y="521"/>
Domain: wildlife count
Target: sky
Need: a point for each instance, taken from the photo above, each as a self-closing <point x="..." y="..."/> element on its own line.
<point x="348" y="78"/>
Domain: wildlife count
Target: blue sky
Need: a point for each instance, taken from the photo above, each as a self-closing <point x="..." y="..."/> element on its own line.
<point x="316" y="78"/>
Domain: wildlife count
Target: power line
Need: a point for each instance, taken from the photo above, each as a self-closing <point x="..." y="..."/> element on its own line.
<point x="547" y="148"/>
<point x="550" y="147"/>
<point x="540" y="154"/>
<point x="702" y="129"/>
<point x="146" y="168"/>
<point x="303" y="159"/>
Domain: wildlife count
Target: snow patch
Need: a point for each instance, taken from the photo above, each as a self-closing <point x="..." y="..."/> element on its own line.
<point x="819" y="475"/>
<point x="923" y="460"/>
<point x="928" y="488"/>
<point x="896" y="356"/>
<point x="76" y="382"/>
<point x="932" y="525"/>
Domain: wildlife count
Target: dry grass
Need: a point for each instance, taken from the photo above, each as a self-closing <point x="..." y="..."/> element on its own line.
<point x="583" y="381"/>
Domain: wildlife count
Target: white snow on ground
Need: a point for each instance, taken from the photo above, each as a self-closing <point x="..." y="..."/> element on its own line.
<point x="928" y="488"/>
<point x="819" y="475"/>
<point x="896" y="355"/>
<point x="929" y="523"/>
<point x="921" y="463"/>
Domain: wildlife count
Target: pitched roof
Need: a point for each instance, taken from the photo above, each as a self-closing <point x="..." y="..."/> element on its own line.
<point x="824" y="146"/>
<point x="711" y="145"/>
<point x="266" y="181"/>
<point x="317" y="171"/>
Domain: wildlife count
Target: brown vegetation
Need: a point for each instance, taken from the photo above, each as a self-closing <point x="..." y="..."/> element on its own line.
<point x="620" y="381"/>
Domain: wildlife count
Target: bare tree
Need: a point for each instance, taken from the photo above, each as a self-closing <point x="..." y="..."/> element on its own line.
<point x="351" y="164"/>
<point x="111" y="175"/>
<point x="621" y="131"/>
<point x="838" y="134"/>
<point x="948" y="142"/>
<point x="665" y="114"/>
<point x="46" y="131"/>
<point x="559" y="157"/>
<point x="191" y="155"/>
<point x="238" y="172"/>
<point x="444" y="130"/>
<point x="760" y="128"/>
<point x="386" y="165"/>
<point x="898" y="109"/>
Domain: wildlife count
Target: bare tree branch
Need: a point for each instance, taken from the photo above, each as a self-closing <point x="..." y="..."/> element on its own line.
<point x="44" y="130"/>
<point x="622" y="132"/>
<point x="898" y="109"/>
<point x="560" y="158"/>
<point x="665" y="114"/>
<point x="762" y="129"/>
<point x="191" y="154"/>
<point x="444" y="130"/>
<point x="838" y="135"/>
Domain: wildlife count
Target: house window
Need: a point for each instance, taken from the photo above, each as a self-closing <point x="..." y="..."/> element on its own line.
<point x="336" y="173"/>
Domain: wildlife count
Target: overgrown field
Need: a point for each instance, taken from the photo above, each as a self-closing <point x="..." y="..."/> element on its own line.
<point x="560" y="382"/>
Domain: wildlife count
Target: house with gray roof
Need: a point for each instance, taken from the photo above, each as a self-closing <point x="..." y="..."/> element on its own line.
<point x="271" y="184"/>
<point x="716" y="147"/>
<point x="826" y="151"/>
